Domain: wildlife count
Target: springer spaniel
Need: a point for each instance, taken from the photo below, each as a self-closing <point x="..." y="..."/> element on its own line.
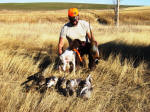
<point x="66" y="58"/>
<point x="70" y="54"/>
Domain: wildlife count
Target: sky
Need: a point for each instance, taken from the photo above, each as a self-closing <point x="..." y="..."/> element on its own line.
<point x="123" y="2"/>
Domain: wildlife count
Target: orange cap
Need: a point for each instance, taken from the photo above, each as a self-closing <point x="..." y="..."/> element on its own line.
<point x="72" y="12"/>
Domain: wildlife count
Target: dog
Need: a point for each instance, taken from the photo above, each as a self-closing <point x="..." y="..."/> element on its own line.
<point x="66" y="58"/>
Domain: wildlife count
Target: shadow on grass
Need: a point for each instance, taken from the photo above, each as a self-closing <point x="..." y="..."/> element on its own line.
<point x="46" y="57"/>
<point x="137" y="54"/>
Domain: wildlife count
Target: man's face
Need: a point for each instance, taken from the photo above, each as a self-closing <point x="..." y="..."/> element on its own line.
<point x="74" y="20"/>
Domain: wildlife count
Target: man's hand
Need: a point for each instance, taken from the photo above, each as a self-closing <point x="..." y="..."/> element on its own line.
<point x="96" y="42"/>
<point x="60" y="52"/>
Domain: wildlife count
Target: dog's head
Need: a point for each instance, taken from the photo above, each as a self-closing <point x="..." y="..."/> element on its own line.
<point x="66" y="61"/>
<point x="75" y="44"/>
<point x="64" y="69"/>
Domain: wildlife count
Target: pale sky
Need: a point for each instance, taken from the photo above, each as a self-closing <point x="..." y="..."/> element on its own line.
<point x="123" y="2"/>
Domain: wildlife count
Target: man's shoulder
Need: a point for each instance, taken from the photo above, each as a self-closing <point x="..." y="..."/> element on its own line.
<point x="67" y="24"/>
<point x="83" y="22"/>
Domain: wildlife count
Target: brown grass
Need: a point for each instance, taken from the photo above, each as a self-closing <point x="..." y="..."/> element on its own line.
<point x="121" y="78"/>
<point x="140" y="15"/>
<point x="134" y="16"/>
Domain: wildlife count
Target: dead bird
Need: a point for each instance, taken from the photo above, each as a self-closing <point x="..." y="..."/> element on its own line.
<point x="72" y="85"/>
<point x="85" y="88"/>
<point x="51" y="81"/>
<point x="61" y="86"/>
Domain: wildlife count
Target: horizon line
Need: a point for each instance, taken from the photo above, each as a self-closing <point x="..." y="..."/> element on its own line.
<point x="69" y="2"/>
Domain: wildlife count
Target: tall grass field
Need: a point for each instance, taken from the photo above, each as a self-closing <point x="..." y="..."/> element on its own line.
<point x="121" y="79"/>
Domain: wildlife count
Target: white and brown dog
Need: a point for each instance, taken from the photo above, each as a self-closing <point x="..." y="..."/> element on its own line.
<point x="70" y="55"/>
<point x="66" y="58"/>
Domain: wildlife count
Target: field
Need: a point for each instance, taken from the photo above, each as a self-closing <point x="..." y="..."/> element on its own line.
<point x="28" y="42"/>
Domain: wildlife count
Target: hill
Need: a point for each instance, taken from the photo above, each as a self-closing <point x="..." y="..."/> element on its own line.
<point x="53" y="6"/>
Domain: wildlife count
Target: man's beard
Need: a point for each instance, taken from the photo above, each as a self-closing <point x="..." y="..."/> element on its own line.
<point x="74" y="22"/>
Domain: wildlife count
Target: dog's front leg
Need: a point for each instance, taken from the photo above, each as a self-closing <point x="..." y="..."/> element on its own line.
<point x="74" y="65"/>
<point x="64" y="65"/>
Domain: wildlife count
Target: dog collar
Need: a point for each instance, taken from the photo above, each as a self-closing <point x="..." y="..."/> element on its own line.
<point x="78" y="54"/>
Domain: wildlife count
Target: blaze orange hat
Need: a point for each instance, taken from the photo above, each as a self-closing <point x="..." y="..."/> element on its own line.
<point x="72" y="12"/>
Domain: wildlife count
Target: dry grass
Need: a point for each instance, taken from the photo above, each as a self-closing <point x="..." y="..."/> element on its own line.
<point x="121" y="78"/>
<point x="134" y="16"/>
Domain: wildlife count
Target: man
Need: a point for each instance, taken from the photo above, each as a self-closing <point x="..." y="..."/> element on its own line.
<point x="74" y="29"/>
